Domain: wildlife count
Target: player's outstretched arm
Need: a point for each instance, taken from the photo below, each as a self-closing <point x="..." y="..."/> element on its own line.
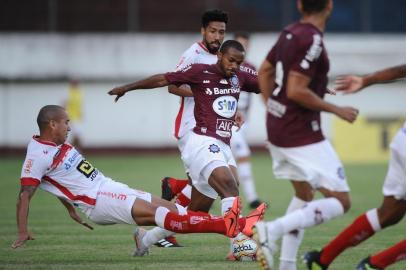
<point x="353" y="83"/>
<point x="266" y="79"/>
<point x="23" y="202"/>
<point x="154" y="81"/>
<point x="74" y="215"/>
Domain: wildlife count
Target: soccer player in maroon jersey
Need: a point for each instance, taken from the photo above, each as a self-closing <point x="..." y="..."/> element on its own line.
<point x="207" y="154"/>
<point x="393" y="207"/>
<point x="57" y="167"/>
<point x="293" y="80"/>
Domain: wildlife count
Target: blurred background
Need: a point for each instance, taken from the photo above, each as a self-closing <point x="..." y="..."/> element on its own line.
<point x="56" y="51"/>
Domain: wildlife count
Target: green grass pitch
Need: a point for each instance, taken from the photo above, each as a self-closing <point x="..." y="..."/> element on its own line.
<point x="63" y="244"/>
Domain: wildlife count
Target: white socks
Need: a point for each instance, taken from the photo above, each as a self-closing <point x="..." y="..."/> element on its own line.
<point x="372" y="216"/>
<point x="291" y="241"/>
<point x="226" y="204"/>
<point x="247" y="181"/>
<point x="314" y="213"/>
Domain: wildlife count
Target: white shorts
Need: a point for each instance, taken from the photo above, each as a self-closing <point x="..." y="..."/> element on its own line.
<point x="239" y="145"/>
<point x="114" y="203"/>
<point x="317" y="164"/>
<point x="199" y="152"/>
<point x="395" y="181"/>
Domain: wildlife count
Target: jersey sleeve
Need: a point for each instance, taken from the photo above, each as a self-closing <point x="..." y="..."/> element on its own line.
<point x="250" y="81"/>
<point x="307" y="52"/>
<point x="34" y="168"/>
<point x="188" y="75"/>
<point x="271" y="56"/>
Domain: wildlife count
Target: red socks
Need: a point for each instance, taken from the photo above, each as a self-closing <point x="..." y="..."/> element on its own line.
<point x="177" y="184"/>
<point x="197" y="222"/>
<point x="182" y="199"/>
<point x="390" y="255"/>
<point x="354" y="234"/>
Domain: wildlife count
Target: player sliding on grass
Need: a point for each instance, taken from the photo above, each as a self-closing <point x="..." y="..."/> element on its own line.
<point x="57" y="167"/>
<point x="207" y="154"/>
<point x="393" y="207"/>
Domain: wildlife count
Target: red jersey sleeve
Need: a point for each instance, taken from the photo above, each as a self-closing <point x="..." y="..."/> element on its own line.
<point x="187" y="75"/>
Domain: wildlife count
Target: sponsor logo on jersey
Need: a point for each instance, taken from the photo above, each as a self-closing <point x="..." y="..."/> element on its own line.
<point x="28" y="166"/>
<point x="225" y="106"/>
<point x="248" y="70"/>
<point x="341" y="173"/>
<point x="203" y="129"/>
<point x="225" y="91"/>
<point x="113" y="195"/>
<point x="208" y="91"/>
<point x="214" y="148"/>
<point x="223" y="81"/>
<point x="234" y="82"/>
<point x="223" y="127"/>
<point x="206" y="81"/>
<point x="186" y="68"/>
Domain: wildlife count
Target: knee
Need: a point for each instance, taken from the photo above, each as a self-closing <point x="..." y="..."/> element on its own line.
<point x="387" y="219"/>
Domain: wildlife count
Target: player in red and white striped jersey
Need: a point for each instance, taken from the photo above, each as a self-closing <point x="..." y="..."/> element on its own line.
<point x="57" y="167"/>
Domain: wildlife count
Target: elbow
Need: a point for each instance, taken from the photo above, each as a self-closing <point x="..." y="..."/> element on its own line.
<point x="292" y="95"/>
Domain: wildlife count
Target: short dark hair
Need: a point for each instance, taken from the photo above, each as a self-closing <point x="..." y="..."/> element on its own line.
<point x="48" y="113"/>
<point x="241" y="34"/>
<point x="231" y="44"/>
<point x="214" y="15"/>
<point x="314" y="6"/>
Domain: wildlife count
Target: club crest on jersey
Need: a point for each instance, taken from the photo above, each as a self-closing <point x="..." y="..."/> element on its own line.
<point x="225" y="106"/>
<point x="214" y="148"/>
<point x="234" y="81"/>
<point x="341" y="173"/>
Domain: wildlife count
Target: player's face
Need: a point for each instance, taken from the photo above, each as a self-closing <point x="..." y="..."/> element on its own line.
<point x="61" y="128"/>
<point x="230" y="61"/>
<point x="213" y="35"/>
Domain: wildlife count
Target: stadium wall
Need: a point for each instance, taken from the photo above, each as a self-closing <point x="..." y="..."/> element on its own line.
<point x="37" y="68"/>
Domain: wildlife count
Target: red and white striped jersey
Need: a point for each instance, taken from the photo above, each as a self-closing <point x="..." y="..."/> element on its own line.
<point x="196" y="54"/>
<point x="62" y="171"/>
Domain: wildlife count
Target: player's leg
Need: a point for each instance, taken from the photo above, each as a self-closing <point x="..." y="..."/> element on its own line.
<point x="363" y="227"/>
<point x="304" y="193"/>
<point x="180" y="221"/>
<point x="319" y="166"/>
<point x="384" y="258"/>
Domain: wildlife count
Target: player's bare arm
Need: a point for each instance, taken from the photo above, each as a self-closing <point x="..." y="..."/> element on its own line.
<point x="182" y="91"/>
<point x="266" y="79"/>
<point x="23" y="202"/>
<point x="154" y="81"/>
<point x="73" y="214"/>
<point x="298" y="91"/>
<point x="352" y="83"/>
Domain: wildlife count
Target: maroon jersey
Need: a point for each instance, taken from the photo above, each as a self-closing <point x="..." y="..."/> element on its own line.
<point x="299" y="48"/>
<point x="216" y="96"/>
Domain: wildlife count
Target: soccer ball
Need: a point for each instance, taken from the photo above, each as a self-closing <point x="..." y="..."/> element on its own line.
<point x="244" y="248"/>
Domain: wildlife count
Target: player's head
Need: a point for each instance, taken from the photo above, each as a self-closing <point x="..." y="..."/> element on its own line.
<point x="308" y="7"/>
<point x="54" y="121"/>
<point x="243" y="38"/>
<point x="230" y="57"/>
<point x="213" y="29"/>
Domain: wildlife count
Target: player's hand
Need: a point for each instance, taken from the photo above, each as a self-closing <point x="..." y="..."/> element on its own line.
<point x="22" y="238"/>
<point x="349" y="84"/>
<point x="239" y="120"/>
<point x="118" y="92"/>
<point x="77" y="218"/>
<point x="348" y="114"/>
